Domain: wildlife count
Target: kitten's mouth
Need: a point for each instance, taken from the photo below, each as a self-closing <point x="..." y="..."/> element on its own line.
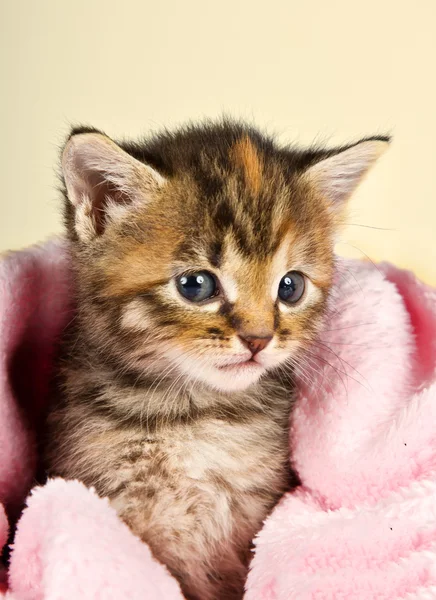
<point x="241" y="365"/>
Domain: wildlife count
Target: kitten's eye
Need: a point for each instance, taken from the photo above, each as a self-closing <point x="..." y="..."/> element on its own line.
<point x="197" y="287"/>
<point x="291" y="287"/>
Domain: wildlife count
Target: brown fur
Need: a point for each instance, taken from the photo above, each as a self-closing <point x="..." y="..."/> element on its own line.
<point x="140" y="412"/>
<point x="246" y="156"/>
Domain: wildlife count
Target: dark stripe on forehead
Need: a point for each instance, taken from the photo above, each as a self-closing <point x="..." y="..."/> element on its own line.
<point x="223" y="215"/>
<point x="242" y="239"/>
<point x="254" y="240"/>
<point x="208" y="184"/>
<point x="215" y="253"/>
<point x="253" y="230"/>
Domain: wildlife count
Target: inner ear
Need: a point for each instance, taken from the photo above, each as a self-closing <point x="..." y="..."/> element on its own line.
<point x="104" y="182"/>
<point x="104" y="192"/>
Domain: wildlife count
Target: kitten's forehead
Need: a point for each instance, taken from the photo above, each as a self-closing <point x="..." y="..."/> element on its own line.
<point x="250" y="280"/>
<point x="258" y="277"/>
<point x="238" y="262"/>
<point x="249" y="197"/>
<point x="251" y="225"/>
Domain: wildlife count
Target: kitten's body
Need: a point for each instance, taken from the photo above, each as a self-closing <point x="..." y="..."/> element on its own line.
<point x="196" y="486"/>
<point x="178" y="411"/>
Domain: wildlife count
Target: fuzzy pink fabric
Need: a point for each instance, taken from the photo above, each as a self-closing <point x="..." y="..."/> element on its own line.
<point x="363" y="524"/>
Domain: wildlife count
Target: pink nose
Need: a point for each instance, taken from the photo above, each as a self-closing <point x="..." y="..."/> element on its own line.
<point x="255" y="344"/>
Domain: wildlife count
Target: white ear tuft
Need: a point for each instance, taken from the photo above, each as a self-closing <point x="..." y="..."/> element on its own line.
<point x="104" y="182"/>
<point x="337" y="176"/>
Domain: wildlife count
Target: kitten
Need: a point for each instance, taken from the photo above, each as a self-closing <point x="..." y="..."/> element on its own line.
<point x="203" y="261"/>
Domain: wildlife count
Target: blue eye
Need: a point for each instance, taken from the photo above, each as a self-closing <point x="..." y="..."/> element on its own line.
<point x="291" y="287"/>
<point x="197" y="287"/>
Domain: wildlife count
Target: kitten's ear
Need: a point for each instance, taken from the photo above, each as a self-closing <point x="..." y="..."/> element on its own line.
<point x="104" y="182"/>
<point x="337" y="176"/>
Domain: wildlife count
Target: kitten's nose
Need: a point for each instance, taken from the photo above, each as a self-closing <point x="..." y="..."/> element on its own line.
<point x="255" y="343"/>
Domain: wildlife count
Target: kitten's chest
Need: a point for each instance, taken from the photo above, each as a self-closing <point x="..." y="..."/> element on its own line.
<point x="236" y="469"/>
<point x="224" y="475"/>
<point x="244" y="455"/>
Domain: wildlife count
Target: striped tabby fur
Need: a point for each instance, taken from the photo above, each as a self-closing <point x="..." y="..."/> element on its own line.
<point x="191" y="451"/>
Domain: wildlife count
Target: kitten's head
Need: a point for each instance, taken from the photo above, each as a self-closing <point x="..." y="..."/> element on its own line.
<point x="206" y="254"/>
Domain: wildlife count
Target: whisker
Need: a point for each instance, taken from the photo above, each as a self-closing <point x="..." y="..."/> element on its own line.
<point x="371" y="227"/>
<point x="323" y="360"/>
<point x="365" y="255"/>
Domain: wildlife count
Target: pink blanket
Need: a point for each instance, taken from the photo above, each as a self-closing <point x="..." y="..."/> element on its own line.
<point x="361" y="526"/>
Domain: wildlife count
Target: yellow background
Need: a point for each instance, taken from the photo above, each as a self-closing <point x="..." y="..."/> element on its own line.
<point x="329" y="70"/>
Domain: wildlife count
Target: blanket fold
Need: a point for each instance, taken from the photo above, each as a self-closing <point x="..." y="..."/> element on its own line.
<point x="361" y="526"/>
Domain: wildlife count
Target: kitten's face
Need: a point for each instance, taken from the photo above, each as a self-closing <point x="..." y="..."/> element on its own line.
<point x="213" y="273"/>
<point x="225" y="319"/>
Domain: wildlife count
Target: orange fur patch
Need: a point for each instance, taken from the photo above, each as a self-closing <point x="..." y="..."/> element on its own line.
<point x="135" y="267"/>
<point x="246" y="156"/>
